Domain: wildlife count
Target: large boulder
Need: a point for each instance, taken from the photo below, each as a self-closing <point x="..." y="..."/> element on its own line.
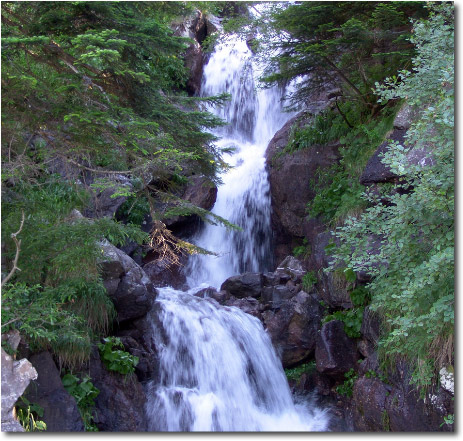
<point x="60" y="411"/>
<point x="16" y="376"/>
<point x="162" y="274"/>
<point x="376" y="172"/>
<point x="127" y="284"/>
<point x="293" y="327"/>
<point x="332" y="287"/>
<point x="370" y="414"/>
<point x="120" y="403"/>
<point x="244" y="285"/>
<point x="335" y="352"/>
<point x="290" y="178"/>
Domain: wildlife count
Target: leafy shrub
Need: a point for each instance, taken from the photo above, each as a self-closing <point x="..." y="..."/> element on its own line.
<point x="294" y="374"/>
<point x="309" y="280"/>
<point x="346" y="388"/>
<point x="85" y="393"/>
<point x="414" y="292"/>
<point x="28" y="414"/>
<point x="351" y="318"/>
<point x="117" y="360"/>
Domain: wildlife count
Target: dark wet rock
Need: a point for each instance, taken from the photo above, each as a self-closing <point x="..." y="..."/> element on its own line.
<point x="120" y="403"/>
<point x="375" y="171"/>
<point x="126" y="283"/>
<point x="60" y="412"/>
<point x="16" y="376"/>
<point x="162" y="274"/>
<point x="370" y="414"/>
<point x="335" y="352"/>
<point x="292" y="267"/>
<point x="370" y="326"/>
<point x="134" y="296"/>
<point x="244" y="285"/>
<point x="275" y="296"/>
<point x="205" y="293"/>
<point x="247" y="304"/>
<point x="293" y="327"/>
<point x="290" y="176"/>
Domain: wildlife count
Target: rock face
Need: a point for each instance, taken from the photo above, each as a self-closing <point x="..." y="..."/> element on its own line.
<point x="244" y="285"/>
<point x="397" y="406"/>
<point x="198" y="27"/>
<point x="161" y="274"/>
<point x="60" y="411"/>
<point x="120" y="403"/>
<point x="16" y="376"/>
<point x="291" y="316"/>
<point x="127" y="284"/>
<point x="335" y="353"/>
<point x="293" y="327"/>
<point x="290" y="180"/>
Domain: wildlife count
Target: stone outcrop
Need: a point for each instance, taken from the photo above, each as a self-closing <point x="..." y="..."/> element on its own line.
<point x="290" y="180"/>
<point x="119" y="407"/>
<point x="244" y="285"/>
<point x="291" y="316"/>
<point x="60" y="412"/>
<point x="335" y="352"/>
<point x="16" y="376"/>
<point x="126" y="283"/>
<point x="197" y="27"/>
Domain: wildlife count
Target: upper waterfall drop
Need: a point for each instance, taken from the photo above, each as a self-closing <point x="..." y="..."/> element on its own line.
<point x="253" y="116"/>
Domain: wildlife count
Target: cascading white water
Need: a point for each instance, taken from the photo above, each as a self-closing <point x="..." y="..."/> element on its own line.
<point x="218" y="369"/>
<point x="244" y="198"/>
<point x="219" y="372"/>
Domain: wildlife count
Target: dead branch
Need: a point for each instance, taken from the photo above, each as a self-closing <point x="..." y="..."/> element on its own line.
<point x="18" y="249"/>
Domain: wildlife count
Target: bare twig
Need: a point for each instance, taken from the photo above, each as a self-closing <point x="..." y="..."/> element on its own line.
<point x="18" y="249"/>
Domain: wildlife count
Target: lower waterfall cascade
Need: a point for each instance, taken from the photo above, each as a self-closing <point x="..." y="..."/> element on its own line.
<point x="218" y="369"/>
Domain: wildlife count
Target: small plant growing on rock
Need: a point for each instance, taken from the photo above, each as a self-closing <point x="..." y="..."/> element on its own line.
<point x="309" y="280"/>
<point x="28" y="414"/>
<point x="85" y="393"/>
<point x="114" y="359"/>
<point x="295" y="374"/>
<point x="347" y="387"/>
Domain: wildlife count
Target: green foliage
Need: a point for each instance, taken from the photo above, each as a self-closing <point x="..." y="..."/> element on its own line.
<point x="350" y="45"/>
<point x="448" y="419"/>
<point x="28" y="414"/>
<point x="351" y="318"/>
<point x="114" y="359"/>
<point x="346" y="388"/>
<point x="338" y="190"/>
<point x="302" y="250"/>
<point x="85" y="393"/>
<point x="294" y="374"/>
<point x="309" y="280"/>
<point x="413" y="285"/>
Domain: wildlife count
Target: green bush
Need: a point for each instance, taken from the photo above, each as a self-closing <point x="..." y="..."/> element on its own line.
<point x="85" y="393"/>
<point x="294" y="374"/>
<point x="114" y="359"/>
<point x="309" y="280"/>
<point x="413" y="285"/>
<point x="28" y="415"/>
<point x="346" y="388"/>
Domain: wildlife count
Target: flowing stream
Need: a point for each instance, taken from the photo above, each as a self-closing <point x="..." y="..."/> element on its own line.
<point x="218" y="368"/>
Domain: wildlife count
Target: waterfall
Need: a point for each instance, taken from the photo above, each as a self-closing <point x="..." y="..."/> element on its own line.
<point x="219" y="372"/>
<point x="218" y="369"/>
<point x="254" y="115"/>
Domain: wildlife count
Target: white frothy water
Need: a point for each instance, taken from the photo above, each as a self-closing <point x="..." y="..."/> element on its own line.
<point x="218" y="369"/>
<point x="244" y="198"/>
<point x="219" y="372"/>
